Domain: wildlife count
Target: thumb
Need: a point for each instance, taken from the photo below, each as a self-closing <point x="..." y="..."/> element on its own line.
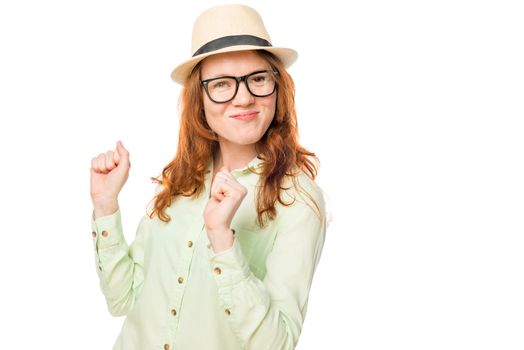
<point x="121" y="155"/>
<point x="225" y="169"/>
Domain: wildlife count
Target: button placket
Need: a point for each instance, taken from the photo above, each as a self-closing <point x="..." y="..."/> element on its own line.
<point x="187" y="251"/>
<point x="188" y="256"/>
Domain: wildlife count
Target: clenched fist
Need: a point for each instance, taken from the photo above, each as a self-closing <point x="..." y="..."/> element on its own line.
<point x="109" y="173"/>
<point x="226" y="196"/>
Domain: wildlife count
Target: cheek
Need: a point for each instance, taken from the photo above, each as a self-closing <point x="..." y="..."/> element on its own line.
<point x="271" y="109"/>
<point x="212" y="112"/>
<point x="208" y="108"/>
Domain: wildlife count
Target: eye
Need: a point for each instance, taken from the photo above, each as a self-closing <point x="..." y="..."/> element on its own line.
<point x="260" y="78"/>
<point x="221" y="84"/>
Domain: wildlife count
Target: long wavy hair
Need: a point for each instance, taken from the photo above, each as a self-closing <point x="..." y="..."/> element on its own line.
<point x="278" y="148"/>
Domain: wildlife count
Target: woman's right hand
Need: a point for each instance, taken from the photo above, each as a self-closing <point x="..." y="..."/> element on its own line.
<point x="109" y="173"/>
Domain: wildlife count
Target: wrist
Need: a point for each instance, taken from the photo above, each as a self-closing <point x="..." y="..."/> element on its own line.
<point x="219" y="232"/>
<point x="221" y="239"/>
<point x="104" y="208"/>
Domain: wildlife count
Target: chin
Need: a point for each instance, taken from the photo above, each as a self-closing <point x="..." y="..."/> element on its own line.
<point x="245" y="140"/>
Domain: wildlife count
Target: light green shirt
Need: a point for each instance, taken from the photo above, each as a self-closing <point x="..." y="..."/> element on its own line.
<point x="178" y="294"/>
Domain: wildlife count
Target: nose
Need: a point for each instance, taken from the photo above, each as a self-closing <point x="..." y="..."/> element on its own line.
<point x="243" y="96"/>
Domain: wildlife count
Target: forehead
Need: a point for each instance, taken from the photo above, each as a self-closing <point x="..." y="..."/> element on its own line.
<point x="232" y="63"/>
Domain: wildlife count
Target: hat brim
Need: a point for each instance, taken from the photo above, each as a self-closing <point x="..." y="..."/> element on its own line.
<point x="183" y="70"/>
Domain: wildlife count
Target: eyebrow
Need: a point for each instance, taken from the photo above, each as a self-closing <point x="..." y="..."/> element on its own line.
<point x="230" y="75"/>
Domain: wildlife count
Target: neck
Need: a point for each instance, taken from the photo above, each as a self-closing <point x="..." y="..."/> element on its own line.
<point x="233" y="156"/>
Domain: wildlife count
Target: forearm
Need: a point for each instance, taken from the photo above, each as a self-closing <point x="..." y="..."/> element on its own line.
<point x="118" y="268"/>
<point x="258" y="310"/>
<point x="258" y="320"/>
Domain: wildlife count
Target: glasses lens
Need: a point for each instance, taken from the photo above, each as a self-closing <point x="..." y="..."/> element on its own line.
<point x="221" y="90"/>
<point x="261" y="84"/>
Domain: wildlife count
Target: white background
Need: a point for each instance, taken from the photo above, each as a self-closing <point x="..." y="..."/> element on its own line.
<point x="415" y="109"/>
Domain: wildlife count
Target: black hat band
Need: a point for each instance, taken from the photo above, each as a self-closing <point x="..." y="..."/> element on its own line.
<point x="231" y="40"/>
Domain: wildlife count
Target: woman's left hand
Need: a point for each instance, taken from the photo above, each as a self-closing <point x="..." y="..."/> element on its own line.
<point x="226" y="195"/>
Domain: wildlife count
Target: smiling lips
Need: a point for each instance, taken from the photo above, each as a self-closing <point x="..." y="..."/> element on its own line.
<point x="247" y="116"/>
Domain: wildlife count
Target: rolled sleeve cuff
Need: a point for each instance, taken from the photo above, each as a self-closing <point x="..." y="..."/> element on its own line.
<point x="229" y="267"/>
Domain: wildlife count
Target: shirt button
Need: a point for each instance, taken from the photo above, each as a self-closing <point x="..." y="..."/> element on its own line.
<point x="173" y="312"/>
<point x="166" y="346"/>
<point x="105" y="233"/>
<point x="227" y="312"/>
<point x="189" y="244"/>
<point x="217" y="271"/>
<point x="180" y="280"/>
<point x="94" y="234"/>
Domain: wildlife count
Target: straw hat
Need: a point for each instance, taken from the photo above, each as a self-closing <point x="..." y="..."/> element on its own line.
<point x="229" y="28"/>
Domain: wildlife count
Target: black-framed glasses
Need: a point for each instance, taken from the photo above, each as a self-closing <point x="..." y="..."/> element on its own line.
<point x="224" y="89"/>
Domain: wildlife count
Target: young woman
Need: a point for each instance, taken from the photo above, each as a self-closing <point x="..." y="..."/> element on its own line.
<point x="226" y="255"/>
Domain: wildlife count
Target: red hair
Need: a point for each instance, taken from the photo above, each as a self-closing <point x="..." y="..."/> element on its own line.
<point x="279" y="149"/>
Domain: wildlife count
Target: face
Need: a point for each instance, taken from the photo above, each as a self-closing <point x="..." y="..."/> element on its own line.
<point x="244" y="119"/>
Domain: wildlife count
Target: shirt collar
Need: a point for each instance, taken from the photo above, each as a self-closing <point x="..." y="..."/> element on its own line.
<point x="256" y="163"/>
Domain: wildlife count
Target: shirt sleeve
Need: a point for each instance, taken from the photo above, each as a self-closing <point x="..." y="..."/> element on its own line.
<point x="119" y="266"/>
<point x="269" y="314"/>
